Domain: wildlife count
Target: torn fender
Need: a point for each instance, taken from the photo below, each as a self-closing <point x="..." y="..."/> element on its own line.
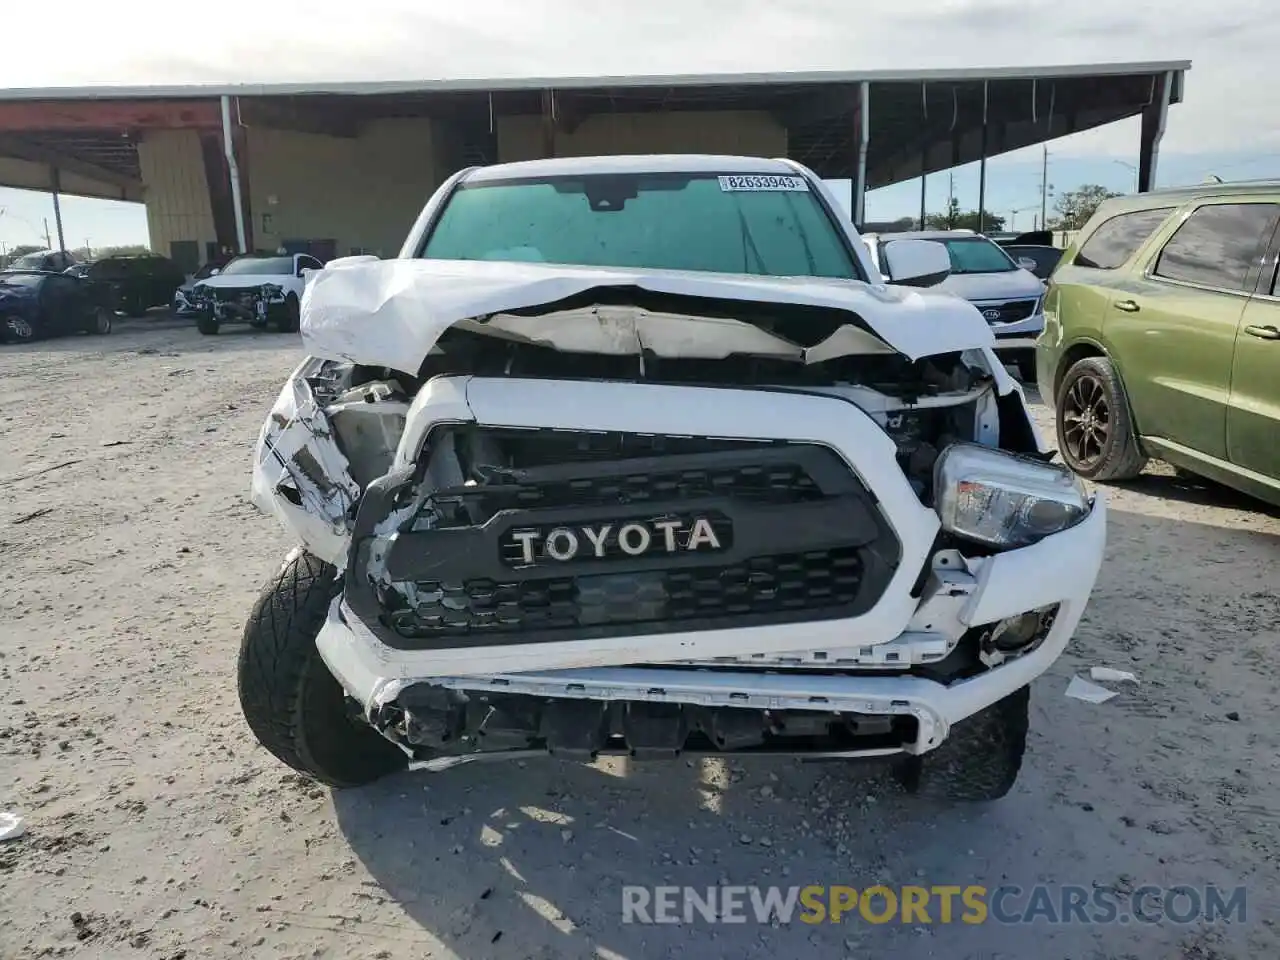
<point x="300" y="476"/>
<point x="391" y="313"/>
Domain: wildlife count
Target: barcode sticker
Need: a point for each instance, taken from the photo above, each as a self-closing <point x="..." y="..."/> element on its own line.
<point x="765" y="183"/>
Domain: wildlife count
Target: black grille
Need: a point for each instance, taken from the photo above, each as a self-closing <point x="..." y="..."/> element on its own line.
<point x="798" y="537"/>
<point x="781" y="584"/>
<point x="775" y="483"/>
<point x="1007" y="312"/>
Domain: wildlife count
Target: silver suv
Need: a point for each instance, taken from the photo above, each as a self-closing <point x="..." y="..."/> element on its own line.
<point x="1009" y="297"/>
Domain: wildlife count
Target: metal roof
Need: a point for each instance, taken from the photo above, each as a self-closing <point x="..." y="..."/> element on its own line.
<point x="480" y="85"/>
<point x="920" y="120"/>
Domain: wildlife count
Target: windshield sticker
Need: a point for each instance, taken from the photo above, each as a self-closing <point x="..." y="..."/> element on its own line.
<point x="765" y="183"/>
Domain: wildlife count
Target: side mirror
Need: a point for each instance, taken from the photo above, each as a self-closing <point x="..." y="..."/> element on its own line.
<point x="915" y="263"/>
<point x="215" y="271"/>
<point x="1026" y="263"/>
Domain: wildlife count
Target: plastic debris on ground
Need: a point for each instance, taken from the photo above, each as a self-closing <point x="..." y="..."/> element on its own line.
<point x="1112" y="674"/>
<point x="12" y="826"/>
<point x="1081" y="689"/>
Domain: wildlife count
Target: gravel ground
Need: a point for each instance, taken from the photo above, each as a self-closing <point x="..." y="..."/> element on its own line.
<point x="158" y="828"/>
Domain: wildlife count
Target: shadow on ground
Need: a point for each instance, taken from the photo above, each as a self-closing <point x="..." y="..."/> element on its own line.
<point x="1200" y="491"/>
<point x="507" y="860"/>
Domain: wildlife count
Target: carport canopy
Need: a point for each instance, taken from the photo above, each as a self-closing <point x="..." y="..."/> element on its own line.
<point x="873" y="128"/>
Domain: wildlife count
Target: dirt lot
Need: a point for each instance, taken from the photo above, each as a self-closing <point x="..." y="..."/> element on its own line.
<point x="158" y="828"/>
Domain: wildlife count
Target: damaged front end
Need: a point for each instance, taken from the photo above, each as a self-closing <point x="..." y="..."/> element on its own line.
<point x="255" y="305"/>
<point x="642" y="522"/>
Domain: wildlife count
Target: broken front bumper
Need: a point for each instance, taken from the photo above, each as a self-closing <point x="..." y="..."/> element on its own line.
<point x="1018" y="335"/>
<point x="1057" y="573"/>
<point x="873" y="663"/>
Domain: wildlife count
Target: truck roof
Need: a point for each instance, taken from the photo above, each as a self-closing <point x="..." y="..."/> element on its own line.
<point x="636" y="163"/>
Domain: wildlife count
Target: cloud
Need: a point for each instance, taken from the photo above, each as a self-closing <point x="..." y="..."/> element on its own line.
<point x="1227" y="104"/>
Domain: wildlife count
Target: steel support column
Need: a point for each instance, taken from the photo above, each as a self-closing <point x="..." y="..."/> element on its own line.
<point x="862" y="136"/>
<point x="228" y="145"/>
<point x="982" y="166"/>
<point x="1154" y="117"/>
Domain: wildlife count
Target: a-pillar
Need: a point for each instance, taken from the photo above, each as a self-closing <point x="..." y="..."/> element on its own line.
<point x="1154" y="116"/>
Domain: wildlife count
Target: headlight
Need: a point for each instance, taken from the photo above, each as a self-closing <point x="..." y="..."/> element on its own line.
<point x="1004" y="500"/>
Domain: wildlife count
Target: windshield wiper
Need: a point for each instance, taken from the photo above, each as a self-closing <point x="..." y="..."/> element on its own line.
<point x="749" y="245"/>
<point x="790" y="201"/>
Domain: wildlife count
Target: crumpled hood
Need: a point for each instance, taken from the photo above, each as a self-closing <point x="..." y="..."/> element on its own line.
<point x="390" y="313"/>
<point x="993" y="286"/>
<point x="243" y="281"/>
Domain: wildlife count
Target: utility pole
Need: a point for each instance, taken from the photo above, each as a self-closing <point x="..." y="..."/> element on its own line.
<point x="48" y="241"/>
<point x="1044" y="186"/>
<point x="56" y="178"/>
<point x="951" y="199"/>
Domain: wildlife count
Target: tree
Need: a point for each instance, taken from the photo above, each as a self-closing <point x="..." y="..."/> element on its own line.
<point x="1075" y="207"/>
<point x="953" y="218"/>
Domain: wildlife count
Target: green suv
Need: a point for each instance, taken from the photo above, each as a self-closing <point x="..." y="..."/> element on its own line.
<point x="1162" y="337"/>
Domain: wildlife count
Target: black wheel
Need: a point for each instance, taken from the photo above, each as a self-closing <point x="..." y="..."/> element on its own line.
<point x="207" y="325"/>
<point x="1095" y="431"/>
<point x="980" y="758"/>
<point x="101" y="322"/>
<point x="287" y="322"/>
<point x="14" y="327"/>
<point x="293" y="705"/>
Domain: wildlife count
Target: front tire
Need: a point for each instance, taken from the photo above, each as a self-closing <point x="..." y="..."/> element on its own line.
<point x="979" y="760"/>
<point x="101" y="324"/>
<point x="208" y="326"/>
<point x="1096" y="434"/>
<point x="293" y="705"/>
<point x="17" y="329"/>
<point x="288" y="321"/>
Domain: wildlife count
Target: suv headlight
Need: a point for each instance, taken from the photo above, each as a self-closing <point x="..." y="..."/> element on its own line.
<point x="1004" y="500"/>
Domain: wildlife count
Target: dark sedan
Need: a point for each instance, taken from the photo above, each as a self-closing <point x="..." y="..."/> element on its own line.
<point x="1039" y="260"/>
<point x="35" y="304"/>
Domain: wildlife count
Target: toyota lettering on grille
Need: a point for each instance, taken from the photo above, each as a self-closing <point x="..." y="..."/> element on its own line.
<point x="991" y="314"/>
<point x="563" y="544"/>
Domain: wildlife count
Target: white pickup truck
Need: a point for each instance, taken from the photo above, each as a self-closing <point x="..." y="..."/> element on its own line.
<point x="639" y="455"/>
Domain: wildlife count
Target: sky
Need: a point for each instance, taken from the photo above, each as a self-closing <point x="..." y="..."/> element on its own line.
<point x="1225" y="125"/>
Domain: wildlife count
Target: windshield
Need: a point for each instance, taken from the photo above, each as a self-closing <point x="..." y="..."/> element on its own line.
<point x="976" y="255"/>
<point x="259" y="266"/>
<point x="19" y="280"/>
<point x="762" y="225"/>
<point x="30" y="261"/>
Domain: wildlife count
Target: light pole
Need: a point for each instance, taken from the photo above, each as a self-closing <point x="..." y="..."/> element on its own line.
<point x="1130" y="166"/>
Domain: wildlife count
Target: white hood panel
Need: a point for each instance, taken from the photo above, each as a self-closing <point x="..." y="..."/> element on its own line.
<point x="1009" y="285"/>
<point x="390" y="313"/>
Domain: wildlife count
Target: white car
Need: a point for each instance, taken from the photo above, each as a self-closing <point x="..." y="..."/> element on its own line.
<point x="1009" y="296"/>
<point x="254" y="289"/>
<point x="637" y="455"/>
